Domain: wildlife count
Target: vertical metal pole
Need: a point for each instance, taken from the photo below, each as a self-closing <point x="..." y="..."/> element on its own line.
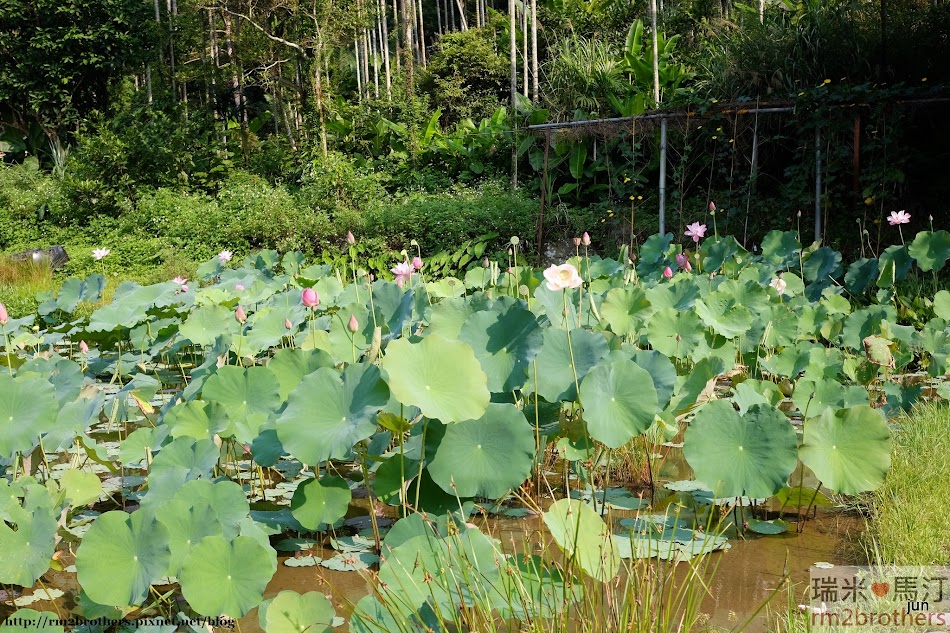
<point x="817" y="184"/>
<point x="663" y="176"/>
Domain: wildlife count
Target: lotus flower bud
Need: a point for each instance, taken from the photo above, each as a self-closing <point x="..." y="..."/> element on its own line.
<point x="667" y="272"/>
<point x="585" y="239"/>
<point x="349" y="238"/>
<point x="799" y="213"/>
<point x="4" y="317"/>
<point x="83" y="347"/>
<point x="310" y="298"/>
<point x="486" y="263"/>
<point x="240" y="315"/>
<point x="712" y="206"/>
<point x="577" y="241"/>
<point x="288" y="324"/>
<point x="353" y="325"/>
<point x="417" y="263"/>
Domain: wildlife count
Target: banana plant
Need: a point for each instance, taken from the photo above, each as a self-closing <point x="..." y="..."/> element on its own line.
<point x="638" y="61"/>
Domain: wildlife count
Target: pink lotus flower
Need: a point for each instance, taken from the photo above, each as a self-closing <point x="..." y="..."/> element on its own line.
<point x="403" y="272"/>
<point x="181" y="281"/>
<point x="310" y="298"/>
<point x="353" y="324"/>
<point x="682" y="260"/>
<point x="585" y="239"/>
<point x="225" y="256"/>
<point x="349" y="238"/>
<point x="898" y="217"/>
<point x="668" y="272"/>
<point x="239" y="287"/>
<point x="696" y="231"/>
<point x="779" y="284"/>
<point x="240" y="315"/>
<point x="184" y="288"/>
<point x="417" y="263"/>
<point x="288" y="324"/>
<point x="83" y="347"/>
<point x="4" y="317"/>
<point x="562" y="277"/>
<point x="712" y="206"/>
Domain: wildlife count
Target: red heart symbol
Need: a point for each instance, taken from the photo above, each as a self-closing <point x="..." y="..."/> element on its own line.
<point x="880" y="589"/>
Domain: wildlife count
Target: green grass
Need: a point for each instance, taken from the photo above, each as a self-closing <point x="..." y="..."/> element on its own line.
<point x="19" y="283"/>
<point x="909" y="512"/>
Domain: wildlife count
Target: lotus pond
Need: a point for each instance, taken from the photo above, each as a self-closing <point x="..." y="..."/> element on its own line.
<point x="517" y="449"/>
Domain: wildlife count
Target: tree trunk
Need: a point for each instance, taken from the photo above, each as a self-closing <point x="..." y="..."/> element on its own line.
<point x="656" y="54"/>
<point x="462" y="18"/>
<point x="524" y="46"/>
<point x="407" y="45"/>
<point x="534" y="50"/>
<point x="422" y="37"/>
<point x="171" y="7"/>
<point x="235" y="80"/>
<point x="385" y="46"/>
<point x="513" y="53"/>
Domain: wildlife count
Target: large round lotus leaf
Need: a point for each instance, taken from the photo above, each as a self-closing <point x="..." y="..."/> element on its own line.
<point x="662" y="372"/>
<point x="441" y="377"/>
<point x="120" y="556"/>
<point x="371" y="616"/>
<point x="25" y="552"/>
<point x="894" y="263"/>
<point x="206" y="323"/>
<point x="626" y="310"/>
<point x="584" y="536"/>
<point x="130" y="305"/>
<point x="821" y="264"/>
<point x="505" y="340"/>
<point x="291" y="365"/>
<point x="266" y="330"/>
<point x="619" y="402"/>
<point x="674" y="333"/>
<point x="80" y="487"/>
<point x="199" y="419"/>
<point x="750" y="455"/>
<point x="28" y="409"/>
<point x="186" y="524"/>
<point x="30" y="621"/>
<point x="486" y="457"/>
<point x="555" y="374"/>
<point x="291" y="612"/>
<point x="848" y="450"/>
<point x="184" y="459"/>
<point x="780" y="248"/>
<point x="931" y="249"/>
<point x="222" y="502"/>
<point x="942" y="304"/>
<point x="724" y="314"/>
<point x="328" y="413"/>
<point x="248" y="395"/>
<point x="227" y="577"/>
<point x="318" y="501"/>
<point x="860" y="275"/>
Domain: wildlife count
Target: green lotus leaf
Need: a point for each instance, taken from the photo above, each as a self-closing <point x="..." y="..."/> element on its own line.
<point x="486" y="457"/>
<point x="186" y="524"/>
<point x="822" y="263"/>
<point x="25" y="551"/>
<point x="655" y="249"/>
<point x="801" y="497"/>
<point x="620" y="402"/>
<point x="775" y="526"/>
<point x="626" y="310"/>
<point x="121" y="556"/>
<point x="894" y="264"/>
<point x="753" y="391"/>
<point x="441" y="377"/>
<point x="327" y="413"/>
<point x="291" y="612"/>
<point x="864" y="323"/>
<point x="199" y="419"/>
<point x="227" y="577"/>
<point x="320" y="501"/>
<point x="31" y="621"/>
<point x="674" y="333"/>
<point x="206" y="323"/>
<point x="130" y="305"/>
<point x="750" y="455"/>
<point x="679" y="295"/>
<point x="584" y="536"/>
<point x="266" y="330"/>
<point x="699" y="381"/>
<point x="942" y="305"/>
<point x="350" y="561"/>
<point x="931" y="249"/>
<point x="724" y="315"/>
<point x="719" y="249"/>
<point x="28" y="409"/>
<point x="184" y="459"/>
<point x="556" y="377"/>
<point x="80" y="487"/>
<point x="849" y="450"/>
<point x="291" y="365"/>
<point x="861" y="274"/>
<point x="248" y="396"/>
<point x="813" y="398"/>
<point x="780" y="248"/>
<point x="505" y="340"/>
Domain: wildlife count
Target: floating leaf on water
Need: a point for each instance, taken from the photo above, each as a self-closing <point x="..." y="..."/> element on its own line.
<point x="38" y="621"/>
<point x="686" y="485"/>
<point x="226" y="577"/>
<point x="302" y="561"/>
<point x="351" y="561"/>
<point x="295" y="544"/>
<point x="775" y="526"/>
<point x="37" y="596"/>
<point x="352" y="544"/>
